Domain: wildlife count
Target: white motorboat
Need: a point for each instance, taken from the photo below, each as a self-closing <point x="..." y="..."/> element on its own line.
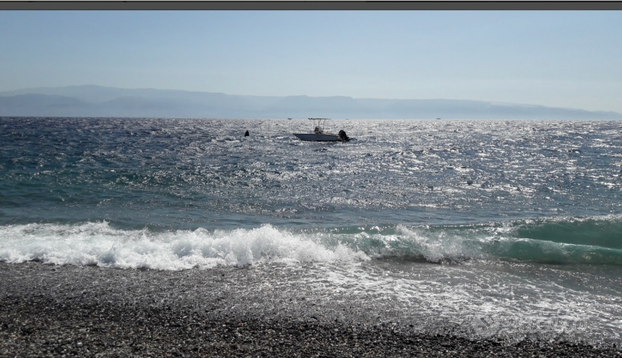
<point x="320" y="135"/>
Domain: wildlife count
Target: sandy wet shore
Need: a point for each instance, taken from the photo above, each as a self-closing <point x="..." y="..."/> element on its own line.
<point x="55" y="311"/>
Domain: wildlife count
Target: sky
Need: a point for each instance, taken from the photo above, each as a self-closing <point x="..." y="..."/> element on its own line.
<point x="570" y="59"/>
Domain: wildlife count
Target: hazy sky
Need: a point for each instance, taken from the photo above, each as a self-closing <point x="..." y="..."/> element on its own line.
<point x="555" y="58"/>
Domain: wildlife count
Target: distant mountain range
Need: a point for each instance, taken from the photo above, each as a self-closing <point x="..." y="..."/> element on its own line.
<point x="97" y="101"/>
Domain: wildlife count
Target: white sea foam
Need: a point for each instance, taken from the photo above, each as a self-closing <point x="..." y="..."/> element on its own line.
<point x="483" y="300"/>
<point x="440" y="246"/>
<point x="100" y="244"/>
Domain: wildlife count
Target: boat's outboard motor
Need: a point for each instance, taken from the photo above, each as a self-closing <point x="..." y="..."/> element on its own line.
<point x="343" y="136"/>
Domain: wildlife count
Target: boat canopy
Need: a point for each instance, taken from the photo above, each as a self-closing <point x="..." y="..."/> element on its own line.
<point x="318" y="124"/>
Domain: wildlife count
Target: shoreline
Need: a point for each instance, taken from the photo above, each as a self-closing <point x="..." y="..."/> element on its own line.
<point x="48" y="310"/>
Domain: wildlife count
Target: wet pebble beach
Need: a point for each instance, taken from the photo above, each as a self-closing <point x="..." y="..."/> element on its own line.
<point x="71" y="311"/>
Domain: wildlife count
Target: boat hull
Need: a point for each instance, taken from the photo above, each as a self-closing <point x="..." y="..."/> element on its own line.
<point x="318" y="137"/>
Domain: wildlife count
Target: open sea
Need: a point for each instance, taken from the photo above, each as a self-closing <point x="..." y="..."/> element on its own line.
<point x="505" y="229"/>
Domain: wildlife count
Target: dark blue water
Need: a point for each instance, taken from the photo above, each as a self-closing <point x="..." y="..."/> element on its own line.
<point x="508" y="228"/>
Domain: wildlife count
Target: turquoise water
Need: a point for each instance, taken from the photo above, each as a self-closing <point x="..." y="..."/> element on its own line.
<point x="505" y="228"/>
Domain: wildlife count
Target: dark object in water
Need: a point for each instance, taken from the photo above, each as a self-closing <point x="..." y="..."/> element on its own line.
<point x="246" y="134"/>
<point x="343" y="136"/>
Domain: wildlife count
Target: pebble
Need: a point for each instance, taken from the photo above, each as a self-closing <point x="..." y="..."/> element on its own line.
<point x="55" y="319"/>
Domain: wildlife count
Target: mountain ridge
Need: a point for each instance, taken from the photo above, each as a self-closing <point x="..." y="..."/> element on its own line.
<point x="101" y="101"/>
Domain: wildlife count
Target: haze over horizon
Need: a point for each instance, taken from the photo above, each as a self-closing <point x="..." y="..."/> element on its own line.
<point x="566" y="59"/>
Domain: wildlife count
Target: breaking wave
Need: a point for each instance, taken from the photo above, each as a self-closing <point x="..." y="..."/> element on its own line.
<point x="556" y="241"/>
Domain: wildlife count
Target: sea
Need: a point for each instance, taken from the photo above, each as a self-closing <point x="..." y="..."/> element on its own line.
<point x="505" y="229"/>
